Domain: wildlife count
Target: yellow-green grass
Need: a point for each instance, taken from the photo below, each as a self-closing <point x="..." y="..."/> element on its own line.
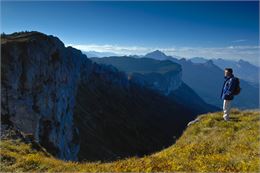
<point x="210" y="145"/>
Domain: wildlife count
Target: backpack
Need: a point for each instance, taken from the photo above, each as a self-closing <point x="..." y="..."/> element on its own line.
<point x="237" y="89"/>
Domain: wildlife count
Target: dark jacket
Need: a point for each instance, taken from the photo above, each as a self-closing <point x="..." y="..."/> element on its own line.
<point x="228" y="88"/>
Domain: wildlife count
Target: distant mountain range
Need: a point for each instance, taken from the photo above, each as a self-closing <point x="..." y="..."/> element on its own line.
<point x="241" y="68"/>
<point x="205" y="77"/>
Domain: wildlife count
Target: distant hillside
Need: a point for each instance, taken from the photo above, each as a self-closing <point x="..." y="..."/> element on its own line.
<point x="139" y="65"/>
<point x="164" y="76"/>
<point x="210" y="145"/>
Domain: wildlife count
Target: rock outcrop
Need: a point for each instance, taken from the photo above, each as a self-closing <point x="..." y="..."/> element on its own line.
<point x="39" y="82"/>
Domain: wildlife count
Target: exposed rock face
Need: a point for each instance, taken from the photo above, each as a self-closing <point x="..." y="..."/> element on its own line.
<point x="165" y="83"/>
<point x="39" y="82"/>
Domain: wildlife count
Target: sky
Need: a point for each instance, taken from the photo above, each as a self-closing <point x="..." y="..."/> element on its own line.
<point x="218" y="29"/>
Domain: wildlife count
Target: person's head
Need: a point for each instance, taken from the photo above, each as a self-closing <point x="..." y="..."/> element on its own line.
<point x="228" y="71"/>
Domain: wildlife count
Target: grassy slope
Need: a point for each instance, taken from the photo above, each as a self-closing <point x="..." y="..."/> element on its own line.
<point x="210" y="145"/>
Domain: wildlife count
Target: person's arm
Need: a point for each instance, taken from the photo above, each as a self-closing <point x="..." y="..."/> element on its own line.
<point x="221" y="94"/>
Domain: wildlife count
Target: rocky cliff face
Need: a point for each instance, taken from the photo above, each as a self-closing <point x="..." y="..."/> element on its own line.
<point x="39" y="82"/>
<point x="165" y="83"/>
<point x="39" y="85"/>
<point x="45" y="85"/>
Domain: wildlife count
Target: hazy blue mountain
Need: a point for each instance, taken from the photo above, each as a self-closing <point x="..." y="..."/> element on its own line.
<point x="198" y="60"/>
<point x="158" y="55"/>
<point x="91" y="54"/>
<point x="206" y="79"/>
<point x="241" y="68"/>
<point x="139" y="65"/>
<point x="163" y="76"/>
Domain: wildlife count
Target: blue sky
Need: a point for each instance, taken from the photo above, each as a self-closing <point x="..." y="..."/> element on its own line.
<point x="210" y="29"/>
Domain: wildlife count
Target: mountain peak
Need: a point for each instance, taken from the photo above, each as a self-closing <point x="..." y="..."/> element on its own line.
<point x="157" y="54"/>
<point x="158" y="51"/>
<point x="210" y="62"/>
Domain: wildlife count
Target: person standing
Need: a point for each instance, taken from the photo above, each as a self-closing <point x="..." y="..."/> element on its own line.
<point x="227" y="93"/>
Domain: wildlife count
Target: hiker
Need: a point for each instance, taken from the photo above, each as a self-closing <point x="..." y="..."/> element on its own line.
<point x="227" y="93"/>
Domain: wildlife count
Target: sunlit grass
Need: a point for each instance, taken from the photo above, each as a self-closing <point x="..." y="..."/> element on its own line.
<point x="210" y="145"/>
